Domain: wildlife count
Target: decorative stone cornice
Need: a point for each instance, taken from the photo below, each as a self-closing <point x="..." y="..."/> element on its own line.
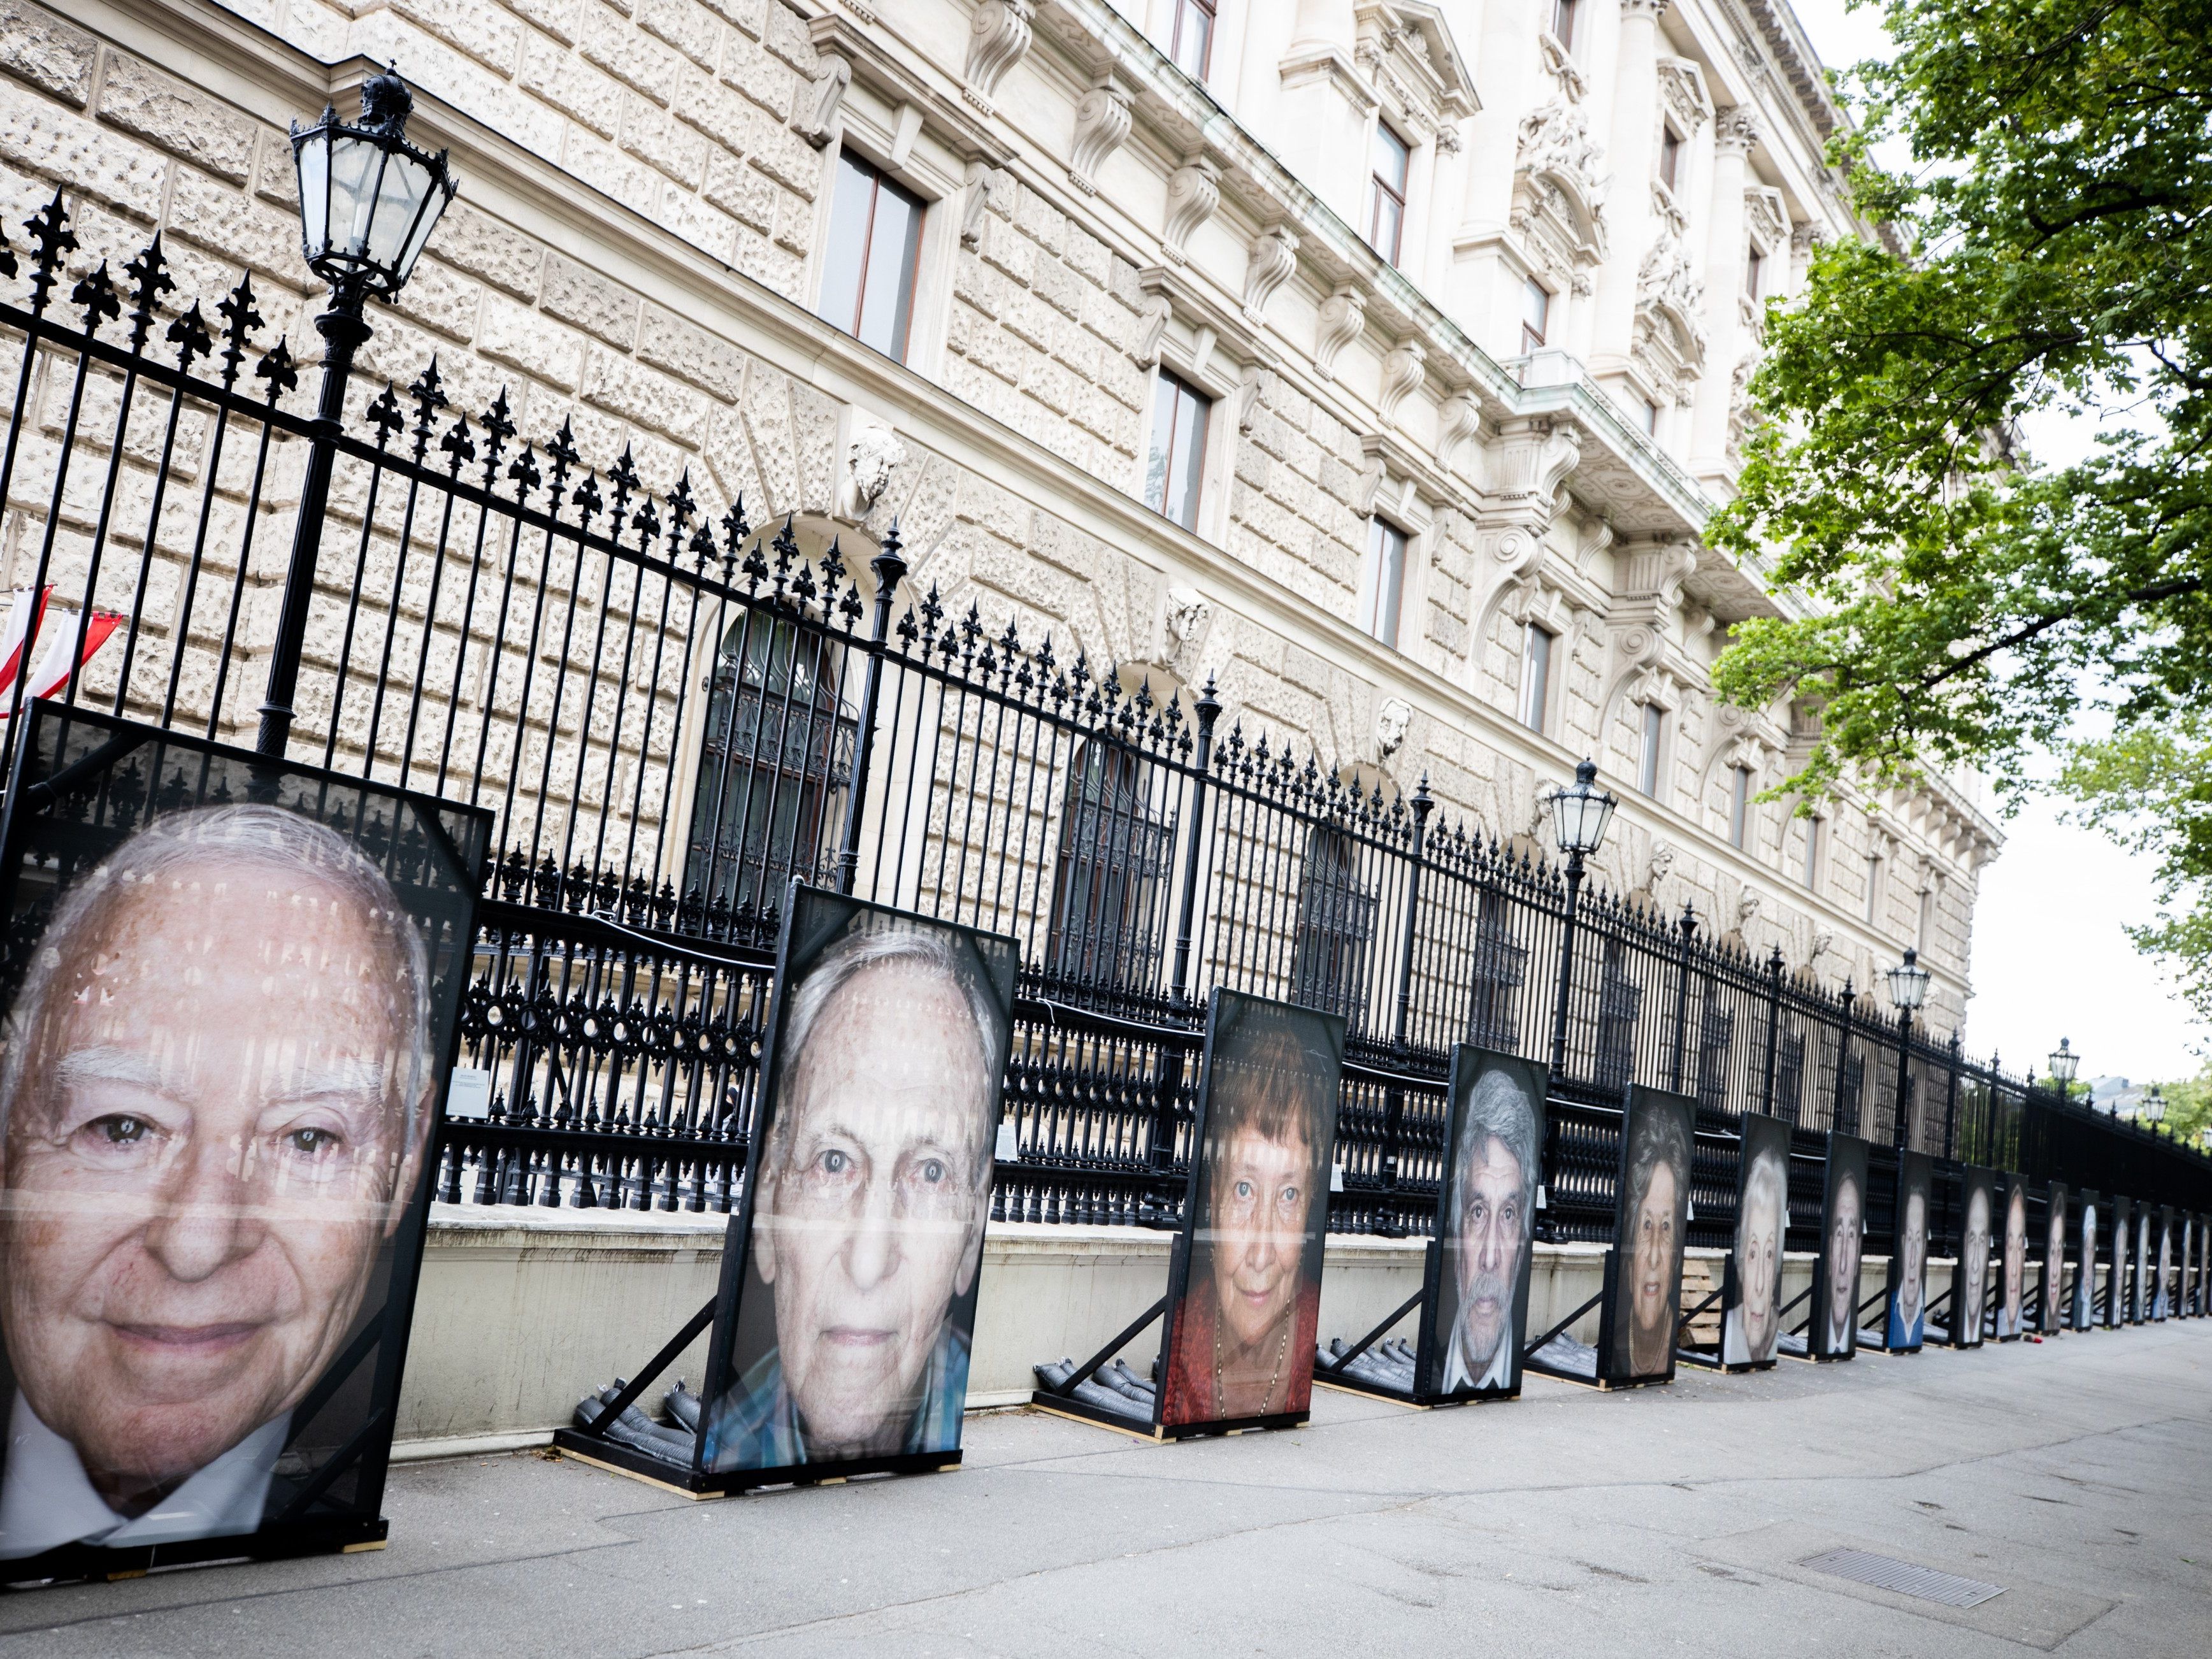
<point x="1343" y="317"/>
<point x="1273" y="256"/>
<point x="1102" y="121"/>
<point x="998" y="38"/>
<point x="1194" y="193"/>
<point x="1736" y="130"/>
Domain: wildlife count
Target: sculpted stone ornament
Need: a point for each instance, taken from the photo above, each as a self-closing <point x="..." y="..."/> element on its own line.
<point x="1102" y="121"/>
<point x="1194" y="193"/>
<point x="1273" y="256"/>
<point x="1187" y="620"/>
<point x="817" y="120"/>
<point x="997" y="40"/>
<point x="1402" y="371"/>
<point x="1343" y="316"/>
<point x="871" y="458"/>
<point x="1391" y="722"/>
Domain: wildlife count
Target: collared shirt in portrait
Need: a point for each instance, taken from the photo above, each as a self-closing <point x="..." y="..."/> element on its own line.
<point x="761" y="1427"/>
<point x="1458" y="1369"/>
<point x="47" y="1499"/>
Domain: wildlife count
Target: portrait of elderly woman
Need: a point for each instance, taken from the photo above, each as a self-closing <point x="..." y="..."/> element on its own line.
<point x="2159" y="1304"/>
<point x="1835" y="1334"/>
<point x="1650" y="1228"/>
<point x="2139" y="1304"/>
<point x="2116" y="1253"/>
<point x="1908" y="1261"/>
<point x="1752" y="1320"/>
<point x="870" y="1185"/>
<point x="2053" y="1306"/>
<point x="1482" y="1294"/>
<point x="1240" y="1344"/>
<point x="218" y="1084"/>
<point x="1970" y="1289"/>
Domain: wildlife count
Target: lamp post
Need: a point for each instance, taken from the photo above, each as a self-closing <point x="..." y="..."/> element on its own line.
<point x="1908" y="989"/>
<point x="368" y="201"/>
<point x="1580" y="813"/>
<point x="2063" y="1064"/>
<point x="2153" y="1107"/>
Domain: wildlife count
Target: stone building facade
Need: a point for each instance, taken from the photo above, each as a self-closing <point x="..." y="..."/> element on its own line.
<point x="1381" y="360"/>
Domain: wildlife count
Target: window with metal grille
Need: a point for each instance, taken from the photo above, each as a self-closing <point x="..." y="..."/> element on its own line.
<point x="875" y="247"/>
<point x="1498" y="969"/>
<point x="1790" y="1076"/>
<point x="1190" y="39"/>
<point x="1111" y="876"/>
<point x="1716" y="1036"/>
<point x="773" y="768"/>
<point x="1386" y="192"/>
<point x="1336" y="927"/>
<point x="1620" y="998"/>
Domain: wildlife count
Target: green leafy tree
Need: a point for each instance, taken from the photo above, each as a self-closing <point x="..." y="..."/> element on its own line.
<point x="2046" y="244"/>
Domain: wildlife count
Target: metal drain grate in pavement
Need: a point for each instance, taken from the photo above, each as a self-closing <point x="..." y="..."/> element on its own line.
<point x="1902" y="1577"/>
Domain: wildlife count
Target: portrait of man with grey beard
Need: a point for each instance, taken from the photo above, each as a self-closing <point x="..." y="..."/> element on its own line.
<point x="1489" y="1222"/>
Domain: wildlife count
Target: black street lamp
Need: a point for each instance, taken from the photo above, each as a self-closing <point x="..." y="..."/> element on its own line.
<point x="2063" y="1064"/>
<point x="1580" y="813"/>
<point x="368" y="201"/>
<point x="1908" y="989"/>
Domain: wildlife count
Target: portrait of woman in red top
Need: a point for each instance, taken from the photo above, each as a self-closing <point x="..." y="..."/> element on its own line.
<point x="1242" y="1344"/>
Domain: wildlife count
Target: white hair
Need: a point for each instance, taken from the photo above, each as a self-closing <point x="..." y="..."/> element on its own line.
<point x="891" y="944"/>
<point x="1767" y="1178"/>
<point x="268" y="839"/>
<point x="1498" y="1108"/>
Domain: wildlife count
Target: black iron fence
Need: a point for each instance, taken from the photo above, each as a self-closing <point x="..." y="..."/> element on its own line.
<point x="674" y="712"/>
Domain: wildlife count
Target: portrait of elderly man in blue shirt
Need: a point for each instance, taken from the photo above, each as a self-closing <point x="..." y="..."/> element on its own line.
<point x="874" y="1184"/>
<point x="217" y="1094"/>
<point x="1492" y="1214"/>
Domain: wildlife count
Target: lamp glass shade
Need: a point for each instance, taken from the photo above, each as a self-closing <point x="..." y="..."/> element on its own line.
<point x="369" y="199"/>
<point x="1908" y="982"/>
<point x="2064" y="1062"/>
<point x="1581" y="811"/>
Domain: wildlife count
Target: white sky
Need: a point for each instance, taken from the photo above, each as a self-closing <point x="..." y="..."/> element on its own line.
<point x="2050" y="958"/>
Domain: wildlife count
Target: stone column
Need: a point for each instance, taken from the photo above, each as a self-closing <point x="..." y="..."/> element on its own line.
<point x="1628" y="205"/>
<point x="1325" y="106"/>
<point x="1735" y="133"/>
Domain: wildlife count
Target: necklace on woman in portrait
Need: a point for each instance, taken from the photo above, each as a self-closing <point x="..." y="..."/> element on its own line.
<point x="1282" y="1349"/>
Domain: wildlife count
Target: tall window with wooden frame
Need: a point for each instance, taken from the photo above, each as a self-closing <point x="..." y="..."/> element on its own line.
<point x="777" y="756"/>
<point x="1110" y="880"/>
<point x="1190" y="37"/>
<point x="1175" y="467"/>
<point x="1386" y="192"/>
<point x="1384" y="590"/>
<point x="1335" y="927"/>
<point x="874" y="251"/>
<point x="1535" y="315"/>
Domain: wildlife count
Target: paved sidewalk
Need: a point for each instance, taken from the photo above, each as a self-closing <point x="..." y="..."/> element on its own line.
<point x="2076" y="1473"/>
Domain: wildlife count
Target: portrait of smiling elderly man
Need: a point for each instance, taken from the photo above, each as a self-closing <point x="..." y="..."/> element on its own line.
<point x="1835" y="1274"/>
<point x="217" y="1090"/>
<point x="1496" y="1143"/>
<point x="872" y="1185"/>
<point x="2012" y="1298"/>
<point x="1242" y="1342"/>
<point x="2054" y="1261"/>
<point x="1969" y="1295"/>
<point x="1650" y="1232"/>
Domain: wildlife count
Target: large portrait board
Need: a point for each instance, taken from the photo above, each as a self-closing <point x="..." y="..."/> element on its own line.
<point x="1905" y="1310"/>
<point x="1753" y="1318"/>
<point x="2083" y="1303"/>
<point x="1245" y="1286"/>
<point x="847" y="1302"/>
<point x="1475" y="1315"/>
<point x="232" y="988"/>
<point x="1636" y="1337"/>
<point x="1970" y="1274"/>
<point x="2161" y="1303"/>
<point x="2118" y="1253"/>
<point x="2055" y="1302"/>
<point x="1834" y="1332"/>
<point x="2139" y="1286"/>
<point x="2012" y="1262"/>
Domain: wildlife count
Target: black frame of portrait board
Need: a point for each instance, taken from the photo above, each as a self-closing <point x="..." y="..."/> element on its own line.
<point x="1776" y="1135"/>
<point x="1609" y="1375"/>
<point x="1915" y="1171"/>
<point x="1964" y="1332"/>
<point x="1225" y="1007"/>
<point x="2119" y="1253"/>
<point x="1844" y="1155"/>
<point x="1469" y="1065"/>
<point x="107" y="776"/>
<point x="2052" y="1293"/>
<point x="721" y="1317"/>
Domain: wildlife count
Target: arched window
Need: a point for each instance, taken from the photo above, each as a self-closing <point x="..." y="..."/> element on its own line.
<point x="1336" y="928"/>
<point x="773" y="767"/>
<point x="1110" y="880"/>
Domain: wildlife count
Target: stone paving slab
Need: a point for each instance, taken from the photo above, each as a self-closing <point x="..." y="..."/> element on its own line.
<point x="2075" y="1473"/>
